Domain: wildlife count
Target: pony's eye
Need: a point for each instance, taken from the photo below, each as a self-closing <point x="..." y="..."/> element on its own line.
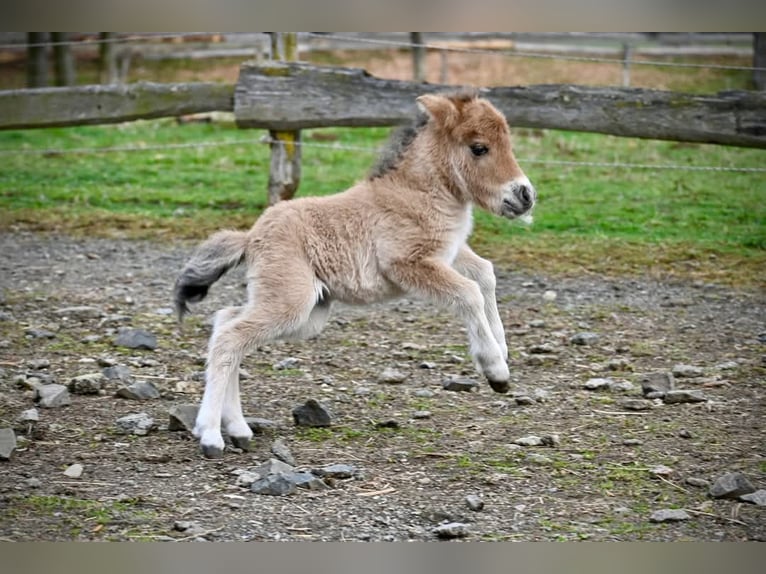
<point x="479" y="149"/>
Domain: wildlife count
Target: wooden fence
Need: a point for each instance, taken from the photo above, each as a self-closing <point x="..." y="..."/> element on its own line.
<point x="281" y="96"/>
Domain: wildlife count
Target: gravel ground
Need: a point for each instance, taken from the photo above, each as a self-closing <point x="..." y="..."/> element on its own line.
<point x="427" y="462"/>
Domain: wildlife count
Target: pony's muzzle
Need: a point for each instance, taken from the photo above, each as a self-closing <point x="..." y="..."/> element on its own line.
<point x="519" y="198"/>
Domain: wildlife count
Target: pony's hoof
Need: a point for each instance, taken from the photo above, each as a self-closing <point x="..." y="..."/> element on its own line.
<point x="241" y="442"/>
<point x="500" y="386"/>
<point x="211" y="451"/>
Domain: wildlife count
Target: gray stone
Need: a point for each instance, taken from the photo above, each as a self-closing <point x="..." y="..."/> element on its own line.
<point x="288" y="363"/>
<point x="684" y="396"/>
<point x="684" y="433"/>
<point x="136" y="339"/>
<point x="182" y="417"/>
<point x="79" y="312"/>
<point x="74" y="471"/>
<point x="138" y="424"/>
<point x="427" y="365"/>
<point x="29" y="416"/>
<point x="280" y="449"/>
<point x="584" y="338"/>
<point x="392" y="376"/>
<point x="661" y="470"/>
<point x="246" y="477"/>
<point x="420" y="415"/>
<point x="451" y="530"/>
<point x="118" y="373"/>
<point x="697" y="481"/>
<point x="632" y="442"/>
<point x="727" y="366"/>
<point x="424" y="393"/>
<point x="635" y="404"/>
<point x="140" y="391"/>
<point x="524" y="400"/>
<point x="459" y="385"/>
<point x="272" y="466"/>
<point x="7" y="443"/>
<point x="52" y="396"/>
<point x="619" y="364"/>
<point x="37" y="364"/>
<point x="261" y="426"/>
<point x="89" y="384"/>
<point x="658" y="382"/>
<point x="536" y="458"/>
<point x="336" y="471"/>
<point x="551" y="440"/>
<point x="306" y="480"/>
<point x="474" y="502"/>
<point x="529" y="441"/>
<point x="598" y="384"/>
<point x="621" y="386"/>
<point x="542" y="349"/>
<point x="687" y="371"/>
<point x="40" y="333"/>
<point x="541" y="395"/>
<point x="731" y="485"/>
<point x="312" y="414"/>
<point x="669" y="515"/>
<point x="758" y="497"/>
<point x="278" y="484"/>
<point x="33" y="482"/>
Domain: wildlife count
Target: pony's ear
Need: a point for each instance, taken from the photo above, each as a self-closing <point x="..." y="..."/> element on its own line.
<point x="440" y="109"/>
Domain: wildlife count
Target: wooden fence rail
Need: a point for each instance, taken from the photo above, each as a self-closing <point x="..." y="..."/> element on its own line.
<point x="291" y="96"/>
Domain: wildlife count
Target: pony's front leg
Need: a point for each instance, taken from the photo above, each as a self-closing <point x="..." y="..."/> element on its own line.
<point x="435" y="281"/>
<point x="470" y="265"/>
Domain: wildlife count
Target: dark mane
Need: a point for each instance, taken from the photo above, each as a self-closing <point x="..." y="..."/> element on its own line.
<point x="402" y="137"/>
<point x="398" y="142"/>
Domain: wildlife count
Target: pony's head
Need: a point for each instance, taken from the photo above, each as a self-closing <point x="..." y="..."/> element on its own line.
<point x="472" y="140"/>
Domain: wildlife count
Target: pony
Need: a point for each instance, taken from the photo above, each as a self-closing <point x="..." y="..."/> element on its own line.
<point x="400" y="232"/>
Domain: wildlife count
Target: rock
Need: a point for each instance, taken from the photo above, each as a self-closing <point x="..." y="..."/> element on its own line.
<point x="387" y="424"/>
<point x="549" y="296"/>
<point x="529" y="441"/>
<point x="278" y="484"/>
<point x="188" y="527"/>
<point x="731" y="485"/>
<point x="74" y="471"/>
<point x="40" y="333"/>
<point x="451" y="530"/>
<point x="598" y="384"/>
<point x="89" y="384"/>
<point x="687" y="371"/>
<point x="727" y="366"/>
<point x="551" y="440"/>
<point x="118" y="373"/>
<point x="53" y="396"/>
<point x="541" y="395"/>
<point x="38" y="364"/>
<point x="80" y="312"/>
<point x="182" y="417"/>
<point x="683" y="433"/>
<point x="260" y="426"/>
<point x="619" y="364"/>
<point x="136" y="339"/>
<point x="138" y="424"/>
<point x="306" y="480"/>
<point x="758" y="497"/>
<point x="420" y="415"/>
<point x="659" y="382"/>
<point x="392" y="376"/>
<point x="288" y="363"/>
<point x="584" y="338"/>
<point x="460" y="385"/>
<point x="698" y="482"/>
<point x="635" y="404"/>
<point x="280" y="449"/>
<point x="684" y="396"/>
<point x="537" y="323"/>
<point x="427" y="365"/>
<point x="424" y="393"/>
<point x="7" y="443"/>
<point x="632" y="442"/>
<point x="272" y="466"/>
<point x="33" y="482"/>
<point x="669" y="515"/>
<point x="335" y="471"/>
<point x="536" y="458"/>
<point x="245" y="478"/>
<point x="474" y="502"/>
<point x="29" y="416"/>
<point x="141" y="391"/>
<point x="312" y="414"/>
<point x="542" y="349"/>
<point x="661" y="470"/>
<point x="621" y="386"/>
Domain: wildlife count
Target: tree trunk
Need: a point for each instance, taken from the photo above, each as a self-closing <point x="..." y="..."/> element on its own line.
<point x="63" y="60"/>
<point x="37" y="60"/>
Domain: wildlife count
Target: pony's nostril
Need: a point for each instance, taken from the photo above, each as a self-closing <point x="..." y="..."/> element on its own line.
<point x="525" y="194"/>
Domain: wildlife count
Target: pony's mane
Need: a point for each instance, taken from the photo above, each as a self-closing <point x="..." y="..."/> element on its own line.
<point x="402" y="137"/>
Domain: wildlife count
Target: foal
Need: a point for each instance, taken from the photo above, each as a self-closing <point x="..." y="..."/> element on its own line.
<point x="402" y="231"/>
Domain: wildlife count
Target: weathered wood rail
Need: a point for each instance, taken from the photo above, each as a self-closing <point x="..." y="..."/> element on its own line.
<point x="285" y="96"/>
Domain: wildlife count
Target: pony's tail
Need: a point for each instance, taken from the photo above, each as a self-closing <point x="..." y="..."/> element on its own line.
<point x="214" y="257"/>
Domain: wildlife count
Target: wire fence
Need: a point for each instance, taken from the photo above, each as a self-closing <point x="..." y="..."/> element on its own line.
<point x="364" y="149"/>
<point x="388" y="43"/>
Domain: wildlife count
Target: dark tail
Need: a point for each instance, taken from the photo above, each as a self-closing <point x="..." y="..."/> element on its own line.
<point x="214" y="257"/>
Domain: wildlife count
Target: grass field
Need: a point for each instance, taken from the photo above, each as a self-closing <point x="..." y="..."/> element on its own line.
<point x="710" y="225"/>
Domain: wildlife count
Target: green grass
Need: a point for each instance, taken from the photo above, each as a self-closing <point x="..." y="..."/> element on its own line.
<point x="709" y="225"/>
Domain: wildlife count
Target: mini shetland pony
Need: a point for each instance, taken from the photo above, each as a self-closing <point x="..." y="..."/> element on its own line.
<point x="400" y="232"/>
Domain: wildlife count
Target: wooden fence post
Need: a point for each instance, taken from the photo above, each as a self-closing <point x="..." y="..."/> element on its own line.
<point x="285" y="167"/>
<point x="627" y="52"/>
<point x="37" y="60"/>
<point x="759" y="60"/>
<point x="63" y="60"/>
<point x="418" y="57"/>
<point x="107" y="59"/>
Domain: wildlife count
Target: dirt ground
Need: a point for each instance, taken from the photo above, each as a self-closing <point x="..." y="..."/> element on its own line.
<point x="597" y="479"/>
